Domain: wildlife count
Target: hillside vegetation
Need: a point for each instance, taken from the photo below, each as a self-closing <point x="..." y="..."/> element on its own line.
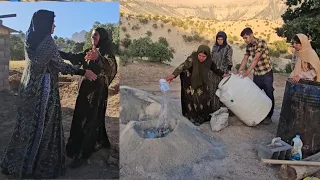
<point x="141" y="37"/>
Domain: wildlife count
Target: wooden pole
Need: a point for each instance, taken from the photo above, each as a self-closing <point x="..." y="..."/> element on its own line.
<point x="285" y="162"/>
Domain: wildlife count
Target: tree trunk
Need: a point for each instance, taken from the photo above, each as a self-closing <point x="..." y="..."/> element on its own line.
<point x="290" y="172"/>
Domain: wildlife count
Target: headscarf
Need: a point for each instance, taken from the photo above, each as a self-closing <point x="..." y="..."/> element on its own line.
<point x="200" y="70"/>
<point x="105" y="44"/>
<point x="224" y="36"/>
<point x="306" y="56"/>
<point x="40" y="27"/>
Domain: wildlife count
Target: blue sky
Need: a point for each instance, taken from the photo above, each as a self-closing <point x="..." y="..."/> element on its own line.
<point x="70" y="17"/>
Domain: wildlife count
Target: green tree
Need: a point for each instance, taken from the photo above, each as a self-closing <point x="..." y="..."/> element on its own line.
<point x="159" y="52"/>
<point x="139" y="47"/>
<point x="163" y="41"/>
<point x="302" y="18"/>
<point x="16" y="48"/>
<point x="126" y="42"/>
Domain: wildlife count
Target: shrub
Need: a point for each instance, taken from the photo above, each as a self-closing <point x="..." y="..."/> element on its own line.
<point x="274" y="52"/>
<point x="126" y="42"/>
<point x="124" y="29"/>
<point x="135" y="27"/>
<point x="155" y="26"/>
<point x="243" y="46"/>
<point x="281" y="46"/>
<point x="144" y="20"/>
<point x="287" y="68"/>
<point x="163" y="41"/>
<point x="149" y="33"/>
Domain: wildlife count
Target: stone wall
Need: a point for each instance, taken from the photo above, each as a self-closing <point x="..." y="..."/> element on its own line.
<point x="4" y="61"/>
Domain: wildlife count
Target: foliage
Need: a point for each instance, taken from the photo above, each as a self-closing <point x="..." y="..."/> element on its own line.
<point x="126" y="42"/>
<point x="159" y="52"/>
<point x="303" y="18"/>
<point x="274" y="52"/>
<point x="17" y="42"/>
<point x="281" y="46"/>
<point x="155" y="51"/>
<point x="16" y="48"/>
<point x="163" y="41"/>
<point x="149" y="33"/>
<point x="139" y="47"/>
<point x="288" y="69"/>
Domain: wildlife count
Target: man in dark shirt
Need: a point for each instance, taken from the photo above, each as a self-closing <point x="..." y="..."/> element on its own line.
<point x="261" y="66"/>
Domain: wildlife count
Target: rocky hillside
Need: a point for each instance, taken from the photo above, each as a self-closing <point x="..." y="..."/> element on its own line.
<point x="207" y="9"/>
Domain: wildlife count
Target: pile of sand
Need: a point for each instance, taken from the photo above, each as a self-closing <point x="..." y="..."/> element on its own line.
<point x="177" y="155"/>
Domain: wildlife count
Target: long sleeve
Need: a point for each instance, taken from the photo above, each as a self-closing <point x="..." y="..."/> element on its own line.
<point x="187" y="64"/>
<point x="310" y="75"/>
<point x="63" y="67"/>
<point x="109" y="66"/>
<point x="229" y="58"/>
<point x="215" y="70"/>
<point x="75" y="59"/>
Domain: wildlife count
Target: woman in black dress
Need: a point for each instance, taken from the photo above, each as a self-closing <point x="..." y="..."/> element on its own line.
<point x="195" y="85"/>
<point x="88" y="132"/>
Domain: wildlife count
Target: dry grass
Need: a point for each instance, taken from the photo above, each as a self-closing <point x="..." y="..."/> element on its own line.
<point x="15" y="65"/>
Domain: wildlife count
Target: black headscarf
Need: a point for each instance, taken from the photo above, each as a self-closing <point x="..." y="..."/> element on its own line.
<point x="40" y="27"/>
<point x="224" y="36"/>
<point x="105" y="43"/>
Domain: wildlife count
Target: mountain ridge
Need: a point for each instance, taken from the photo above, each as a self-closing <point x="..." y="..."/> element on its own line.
<point x="218" y="10"/>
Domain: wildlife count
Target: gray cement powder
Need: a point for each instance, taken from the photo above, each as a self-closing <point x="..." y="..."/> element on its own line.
<point x="175" y="156"/>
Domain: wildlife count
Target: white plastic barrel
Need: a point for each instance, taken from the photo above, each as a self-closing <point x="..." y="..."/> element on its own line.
<point x="244" y="98"/>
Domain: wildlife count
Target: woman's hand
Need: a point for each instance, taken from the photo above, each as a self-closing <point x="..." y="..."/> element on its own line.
<point x="296" y="79"/>
<point x="90" y="75"/>
<point x="226" y="75"/>
<point x="170" y="78"/>
<point x="92" y="55"/>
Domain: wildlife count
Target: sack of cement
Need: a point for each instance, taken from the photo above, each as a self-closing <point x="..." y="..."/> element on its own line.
<point x="219" y="119"/>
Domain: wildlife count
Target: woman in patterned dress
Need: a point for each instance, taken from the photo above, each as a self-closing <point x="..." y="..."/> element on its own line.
<point x="222" y="56"/>
<point x="195" y="84"/>
<point x="88" y="132"/>
<point x="37" y="147"/>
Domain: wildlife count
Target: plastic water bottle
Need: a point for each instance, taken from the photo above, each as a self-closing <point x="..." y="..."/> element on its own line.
<point x="164" y="86"/>
<point x="297" y="146"/>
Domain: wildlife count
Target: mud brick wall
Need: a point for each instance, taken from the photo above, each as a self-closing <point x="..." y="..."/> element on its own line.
<point x="4" y="61"/>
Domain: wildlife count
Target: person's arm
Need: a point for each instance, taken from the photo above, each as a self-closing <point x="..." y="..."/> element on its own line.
<point x="244" y="60"/>
<point x="308" y="75"/>
<point x="75" y="59"/>
<point x="187" y="64"/>
<point x="229" y="58"/>
<point x="65" y="68"/>
<point x="262" y="46"/>
<point x="215" y="70"/>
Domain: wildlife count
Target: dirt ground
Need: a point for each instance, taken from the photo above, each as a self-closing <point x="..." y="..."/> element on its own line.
<point x="241" y="141"/>
<point x="103" y="164"/>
